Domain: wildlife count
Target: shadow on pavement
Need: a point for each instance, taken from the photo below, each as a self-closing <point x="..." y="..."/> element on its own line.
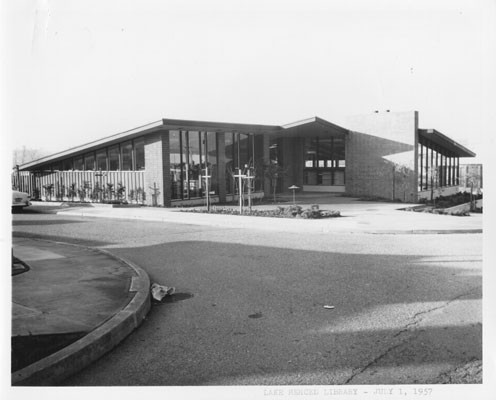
<point x="64" y="239"/>
<point x="372" y="335"/>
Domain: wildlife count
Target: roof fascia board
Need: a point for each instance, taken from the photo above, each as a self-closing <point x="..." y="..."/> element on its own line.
<point x="445" y="140"/>
<point x="178" y="124"/>
<point x="316" y="120"/>
<point x="107" y="141"/>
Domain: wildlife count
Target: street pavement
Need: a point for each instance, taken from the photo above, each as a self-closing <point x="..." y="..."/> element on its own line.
<point x="250" y="303"/>
<point x="69" y="299"/>
<point x="357" y="216"/>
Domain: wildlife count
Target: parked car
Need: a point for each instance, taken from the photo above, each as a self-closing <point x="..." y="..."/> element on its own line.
<point x="20" y="200"/>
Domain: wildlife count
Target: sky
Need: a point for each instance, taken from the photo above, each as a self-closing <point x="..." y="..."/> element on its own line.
<point x="77" y="71"/>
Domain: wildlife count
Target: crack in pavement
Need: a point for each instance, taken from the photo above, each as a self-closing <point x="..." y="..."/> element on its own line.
<point x="470" y="372"/>
<point x="417" y="318"/>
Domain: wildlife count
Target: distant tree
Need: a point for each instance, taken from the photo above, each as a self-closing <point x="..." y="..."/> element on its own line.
<point x="24" y="155"/>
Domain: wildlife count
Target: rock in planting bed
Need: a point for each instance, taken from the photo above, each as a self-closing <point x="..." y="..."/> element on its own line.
<point x="292" y="211"/>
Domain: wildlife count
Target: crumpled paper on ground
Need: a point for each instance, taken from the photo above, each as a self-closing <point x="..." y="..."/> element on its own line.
<point x="159" y="291"/>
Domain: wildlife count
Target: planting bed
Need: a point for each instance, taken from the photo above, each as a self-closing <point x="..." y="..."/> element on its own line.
<point x="292" y="211"/>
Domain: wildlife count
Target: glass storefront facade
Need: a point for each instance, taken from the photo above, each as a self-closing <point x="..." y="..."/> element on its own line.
<point x="193" y="155"/>
<point x="324" y="161"/>
<point x="240" y="155"/>
<point x="437" y="166"/>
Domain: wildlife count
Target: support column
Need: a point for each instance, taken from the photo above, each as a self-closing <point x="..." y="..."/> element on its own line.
<point x="157" y="169"/>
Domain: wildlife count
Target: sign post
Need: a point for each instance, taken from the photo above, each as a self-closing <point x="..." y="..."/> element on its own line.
<point x="207" y="178"/>
<point x="240" y="177"/>
<point x="249" y="178"/>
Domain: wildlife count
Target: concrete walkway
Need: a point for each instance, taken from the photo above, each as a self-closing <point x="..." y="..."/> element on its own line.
<point x="357" y="217"/>
<point x="73" y="291"/>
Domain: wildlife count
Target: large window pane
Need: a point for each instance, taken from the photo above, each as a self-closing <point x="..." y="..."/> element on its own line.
<point x="229" y="154"/>
<point x="324" y="161"/>
<point x="113" y="155"/>
<point x="127" y="156"/>
<point x="67" y="164"/>
<point x="101" y="160"/>
<point x="194" y="165"/>
<point x="176" y="166"/>
<point x="89" y="162"/>
<point x="139" y="152"/>
<point x="244" y="151"/>
<point x="78" y="164"/>
<point x="211" y="160"/>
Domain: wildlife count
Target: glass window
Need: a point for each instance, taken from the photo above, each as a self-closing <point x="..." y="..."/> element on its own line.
<point x="176" y="165"/>
<point x="229" y="154"/>
<point x="101" y="160"/>
<point x="324" y="161"/>
<point x="211" y="160"/>
<point x="67" y="164"/>
<point x="258" y="153"/>
<point x="194" y="165"/>
<point x="78" y="164"/>
<point x="139" y="152"/>
<point x="89" y="162"/>
<point x="127" y="156"/>
<point x="113" y="156"/>
<point x="325" y="152"/>
<point x="244" y="151"/>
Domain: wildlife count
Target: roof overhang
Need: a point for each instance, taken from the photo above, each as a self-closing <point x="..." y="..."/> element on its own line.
<point x="186" y="125"/>
<point x="444" y="141"/>
<point x="107" y="141"/>
<point x="314" y="126"/>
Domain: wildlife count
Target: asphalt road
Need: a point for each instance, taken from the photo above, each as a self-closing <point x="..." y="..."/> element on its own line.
<point x="250" y="308"/>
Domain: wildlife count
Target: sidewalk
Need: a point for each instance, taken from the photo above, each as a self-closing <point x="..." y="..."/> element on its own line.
<point x="357" y="217"/>
<point x="73" y="296"/>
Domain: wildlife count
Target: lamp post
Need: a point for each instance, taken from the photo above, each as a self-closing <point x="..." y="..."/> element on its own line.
<point x="294" y="188"/>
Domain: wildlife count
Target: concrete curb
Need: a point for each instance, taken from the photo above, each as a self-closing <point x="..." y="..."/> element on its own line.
<point x="71" y="359"/>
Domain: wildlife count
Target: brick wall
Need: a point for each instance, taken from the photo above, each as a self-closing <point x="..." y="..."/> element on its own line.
<point x="157" y="168"/>
<point x="370" y="173"/>
<point x="381" y="155"/>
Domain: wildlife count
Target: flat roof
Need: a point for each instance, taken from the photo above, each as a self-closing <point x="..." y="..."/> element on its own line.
<point x="444" y="141"/>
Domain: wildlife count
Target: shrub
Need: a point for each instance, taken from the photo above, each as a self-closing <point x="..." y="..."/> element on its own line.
<point x="292" y="211"/>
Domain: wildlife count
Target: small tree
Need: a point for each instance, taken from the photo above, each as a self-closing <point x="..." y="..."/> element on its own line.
<point x="72" y="191"/>
<point x="274" y="172"/>
<point x="434" y="174"/>
<point x="96" y="194"/>
<point x="48" y="191"/>
<point x="121" y="191"/>
<point x="110" y="191"/>
<point x="473" y="178"/>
